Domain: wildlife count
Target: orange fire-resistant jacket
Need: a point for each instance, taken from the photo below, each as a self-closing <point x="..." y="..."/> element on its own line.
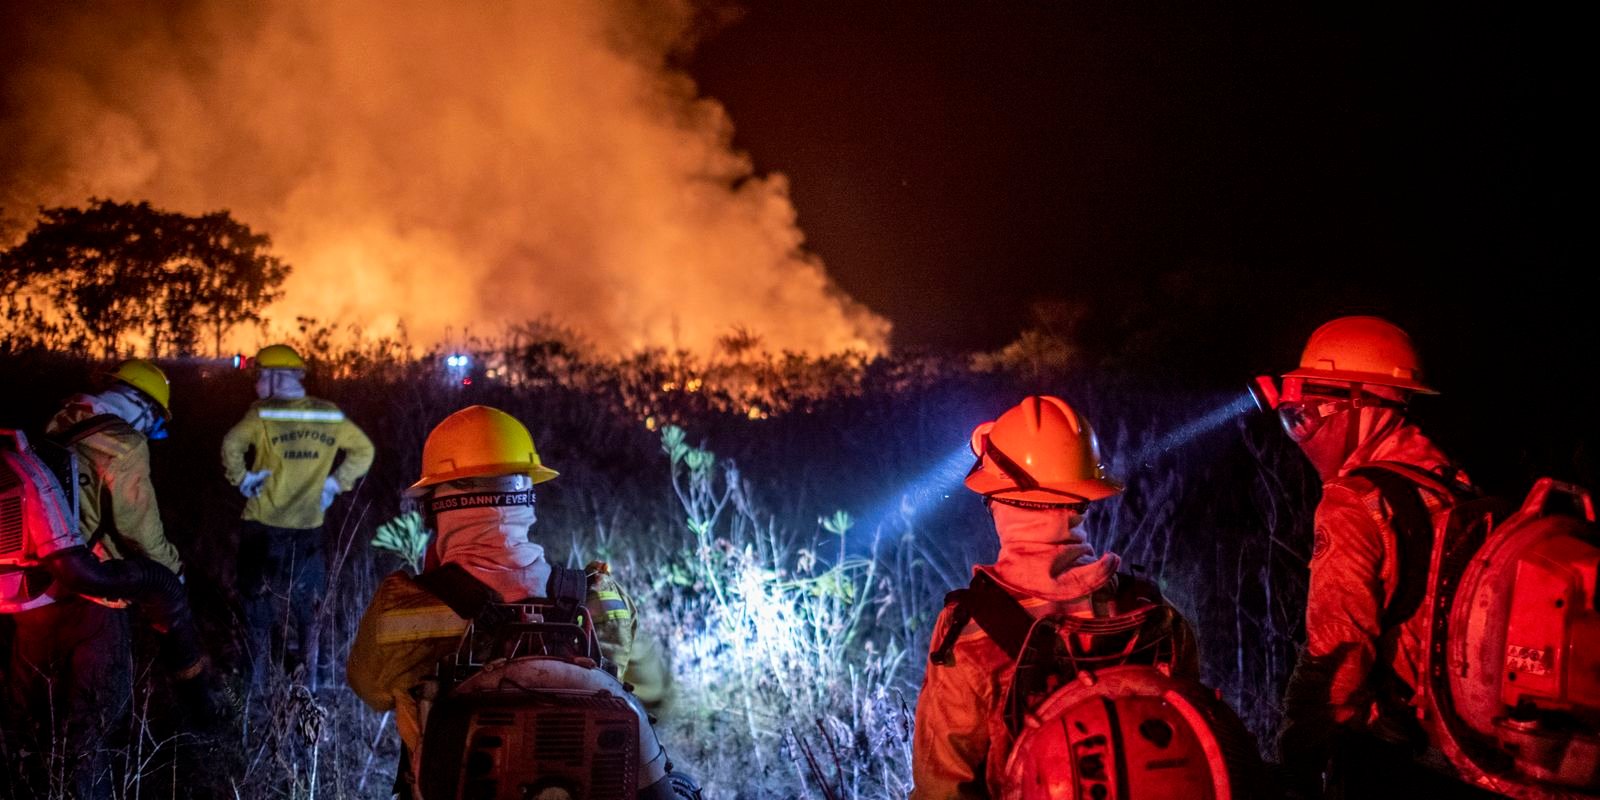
<point x="406" y="630"/>
<point x="115" y="494"/>
<point x="961" y="742"/>
<point x="1348" y="671"/>
<point x="298" y="440"/>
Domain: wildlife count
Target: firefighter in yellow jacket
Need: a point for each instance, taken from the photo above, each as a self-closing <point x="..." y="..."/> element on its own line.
<point x="110" y="432"/>
<point x="291" y="442"/>
<point x="487" y="458"/>
<point x="79" y="645"/>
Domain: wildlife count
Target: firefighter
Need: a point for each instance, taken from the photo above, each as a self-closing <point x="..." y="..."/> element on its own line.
<point x="488" y="456"/>
<point x="1346" y="709"/>
<point x="289" y="481"/>
<point x="1038" y="470"/>
<point x="80" y="639"/>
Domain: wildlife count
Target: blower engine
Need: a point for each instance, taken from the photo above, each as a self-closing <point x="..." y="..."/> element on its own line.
<point x="1130" y="733"/>
<point x="1514" y="649"/>
<point x="524" y="710"/>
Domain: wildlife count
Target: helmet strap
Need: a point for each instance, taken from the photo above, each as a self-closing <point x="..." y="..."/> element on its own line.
<point x="1021" y="477"/>
<point x="1080" y="505"/>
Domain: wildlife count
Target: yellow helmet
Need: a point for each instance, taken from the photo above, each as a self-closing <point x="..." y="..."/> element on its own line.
<point x="147" y="378"/>
<point x="1366" y="350"/>
<point x="279" y="356"/>
<point x="1040" y="451"/>
<point x="478" y="442"/>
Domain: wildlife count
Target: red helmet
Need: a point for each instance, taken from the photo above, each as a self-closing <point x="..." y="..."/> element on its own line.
<point x="1365" y="350"/>
<point x="1041" y="451"/>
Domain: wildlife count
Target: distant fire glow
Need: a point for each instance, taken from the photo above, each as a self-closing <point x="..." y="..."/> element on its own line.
<point x="446" y="169"/>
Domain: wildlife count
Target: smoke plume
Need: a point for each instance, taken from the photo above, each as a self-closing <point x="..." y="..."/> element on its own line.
<point x="447" y="166"/>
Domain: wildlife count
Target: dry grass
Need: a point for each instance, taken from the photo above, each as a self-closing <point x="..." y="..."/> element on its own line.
<point x="797" y="635"/>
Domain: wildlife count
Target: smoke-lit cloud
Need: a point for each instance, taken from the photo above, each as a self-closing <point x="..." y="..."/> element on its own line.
<point x="450" y="165"/>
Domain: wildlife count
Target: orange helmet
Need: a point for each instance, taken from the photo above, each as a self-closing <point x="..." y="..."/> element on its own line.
<point x="1365" y="350"/>
<point x="1041" y="451"/>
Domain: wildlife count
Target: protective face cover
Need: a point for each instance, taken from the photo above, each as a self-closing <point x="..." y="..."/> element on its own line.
<point x="131" y="407"/>
<point x="280" y="384"/>
<point x="483" y="525"/>
<point x="1046" y="553"/>
<point x="1331" y="426"/>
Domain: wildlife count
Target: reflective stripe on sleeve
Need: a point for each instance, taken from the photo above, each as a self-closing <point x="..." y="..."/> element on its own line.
<point x="613" y="605"/>
<point x="298" y="415"/>
<point x="415" y="624"/>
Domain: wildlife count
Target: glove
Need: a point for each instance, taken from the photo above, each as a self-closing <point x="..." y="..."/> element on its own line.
<point x="252" y="483"/>
<point x="330" y="490"/>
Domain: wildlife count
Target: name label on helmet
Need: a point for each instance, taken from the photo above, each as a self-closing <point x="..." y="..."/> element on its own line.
<point x="480" y="500"/>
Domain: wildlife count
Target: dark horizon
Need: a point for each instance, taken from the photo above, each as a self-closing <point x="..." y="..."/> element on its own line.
<point x="1233" y="175"/>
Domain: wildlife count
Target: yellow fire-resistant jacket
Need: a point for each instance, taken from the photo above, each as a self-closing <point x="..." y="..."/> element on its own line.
<point x="115" y="495"/>
<point x="960" y="741"/>
<point x="297" y="440"/>
<point x="406" y="630"/>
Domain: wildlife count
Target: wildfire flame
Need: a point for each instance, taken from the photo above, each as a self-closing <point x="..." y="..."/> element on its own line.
<point x="450" y="167"/>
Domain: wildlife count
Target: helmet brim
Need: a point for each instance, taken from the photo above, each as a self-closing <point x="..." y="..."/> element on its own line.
<point x="1087" y="491"/>
<point x="537" y="472"/>
<point x="1351" y="376"/>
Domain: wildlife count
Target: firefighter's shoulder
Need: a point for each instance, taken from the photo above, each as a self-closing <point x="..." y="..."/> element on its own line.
<point x="605" y="594"/>
<point x="300" y="409"/>
<point x="1350" y="488"/>
<point x="116" y="439"/>
<point x="971" y="633"/>
<point x="407" y="612"/>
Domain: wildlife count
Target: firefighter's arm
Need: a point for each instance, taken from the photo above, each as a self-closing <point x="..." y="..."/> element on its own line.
<point x="134" y="514"/>
<point x="235" y="444"/>
<point x="403" y="634"/>
<point x="364" y="668"/>
<point x="1344" y="606"/>
<point x="612" y="611"/>
<point x="357" y="455"/>
<point x="951" y="738"/>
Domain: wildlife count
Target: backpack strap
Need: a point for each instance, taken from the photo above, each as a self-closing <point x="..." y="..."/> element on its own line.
<point x="77" y="432"/>
<point x="84" y="428"/>
<point x="1400" y="487"/>
<point x="458" y="589"/>
<point x="960" y="614"/>
<point x="996" y="612"/>
<point x="567" y="588"/>
<point x="468" y="597"/>
<point x="999" y="614"/>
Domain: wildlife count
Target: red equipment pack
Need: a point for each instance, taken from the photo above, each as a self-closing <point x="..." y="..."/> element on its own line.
<point x="37" y="518"/>
<point x="1093" y="707"/>
<point x="1512" y="686"/>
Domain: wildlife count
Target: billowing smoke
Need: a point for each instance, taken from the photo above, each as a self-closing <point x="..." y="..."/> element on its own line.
<point x="451" y="166"/>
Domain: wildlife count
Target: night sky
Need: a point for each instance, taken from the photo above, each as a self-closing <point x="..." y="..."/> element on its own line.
<point x="1217" y="181"/>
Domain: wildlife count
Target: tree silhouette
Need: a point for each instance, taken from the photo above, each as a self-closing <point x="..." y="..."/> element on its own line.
<point x="112" y="270"/>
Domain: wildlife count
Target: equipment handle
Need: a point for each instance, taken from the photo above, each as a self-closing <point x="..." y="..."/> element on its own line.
<point x="1542" y="498"/>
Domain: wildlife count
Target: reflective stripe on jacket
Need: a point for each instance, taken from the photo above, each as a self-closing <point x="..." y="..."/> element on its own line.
<point x="297" y="440"/>
<point x="115" y="495"/>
